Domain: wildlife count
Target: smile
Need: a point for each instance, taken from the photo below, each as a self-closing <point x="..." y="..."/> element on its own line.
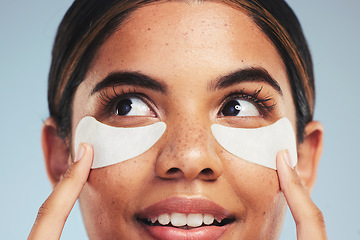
<point x="185" y="218"/>
<point x="186" y="221"/>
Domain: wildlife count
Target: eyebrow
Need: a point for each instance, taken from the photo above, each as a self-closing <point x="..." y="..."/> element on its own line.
<point x="129" y="78"/>
<point x="251" y="74"/>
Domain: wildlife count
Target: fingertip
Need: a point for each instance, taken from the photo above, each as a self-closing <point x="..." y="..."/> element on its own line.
<point x="284" y="157"/>
<point x="308" y="218"/>
<point x="84" y="149"/>
<point x="82" y="162"/>
<point x="88" y="154"/>
<point x="284" y="168"/>
<point x="282" y="164"/>
<point x="80" y="152"/>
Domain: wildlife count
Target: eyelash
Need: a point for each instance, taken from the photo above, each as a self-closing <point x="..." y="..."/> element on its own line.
<point x="261" y="103"/>
<point x="108" y="102"/>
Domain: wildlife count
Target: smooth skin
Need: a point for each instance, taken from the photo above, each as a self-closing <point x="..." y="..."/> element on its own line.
<point x="186" y="51"/>
<point x="55" y="210"/>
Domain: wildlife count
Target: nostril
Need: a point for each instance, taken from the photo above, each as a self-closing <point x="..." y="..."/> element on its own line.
<point x="207" y="171"/>
<point x="172" y="171"/>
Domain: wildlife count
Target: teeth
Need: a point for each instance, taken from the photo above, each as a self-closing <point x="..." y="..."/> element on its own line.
<point x="195" y="220"/>
<point x="164" y="219"/>
<point x="208" y="219"/>
<point x="180" y="219"/>
<point x="153" y="220"/>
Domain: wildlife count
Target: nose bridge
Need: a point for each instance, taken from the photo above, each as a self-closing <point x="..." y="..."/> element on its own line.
<point x="188" y="151"/>
<point x="189" y="136"/>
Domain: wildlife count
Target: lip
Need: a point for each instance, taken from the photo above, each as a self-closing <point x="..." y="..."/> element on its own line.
<point x="185" y="205"/>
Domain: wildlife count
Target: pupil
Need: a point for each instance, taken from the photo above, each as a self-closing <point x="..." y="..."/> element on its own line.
<point x="232" y="108"/>
<point x="123" y="107"/>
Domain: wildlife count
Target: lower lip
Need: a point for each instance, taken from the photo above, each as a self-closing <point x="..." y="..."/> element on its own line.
<point x="200" y="233"/>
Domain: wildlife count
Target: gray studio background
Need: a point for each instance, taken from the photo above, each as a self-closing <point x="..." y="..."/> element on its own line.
<point x="27" y="30"/>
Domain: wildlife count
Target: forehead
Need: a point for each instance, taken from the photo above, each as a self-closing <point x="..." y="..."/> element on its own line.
<point x="196" y="38"/>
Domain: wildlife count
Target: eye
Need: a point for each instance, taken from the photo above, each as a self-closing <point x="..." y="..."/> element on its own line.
<point x="132" y="107"/>
<point x="240" y="108"/>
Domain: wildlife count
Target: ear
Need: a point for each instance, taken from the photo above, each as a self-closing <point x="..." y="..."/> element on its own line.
<point x="55" y="150"/>
<point x="309" y="153"/>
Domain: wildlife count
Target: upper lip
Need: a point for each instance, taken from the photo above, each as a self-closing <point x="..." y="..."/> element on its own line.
<point x="186" y="205"/>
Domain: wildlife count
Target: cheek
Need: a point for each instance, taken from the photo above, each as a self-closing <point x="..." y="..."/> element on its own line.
<point x="257" y="188"/>
<point x="111" y="196"/>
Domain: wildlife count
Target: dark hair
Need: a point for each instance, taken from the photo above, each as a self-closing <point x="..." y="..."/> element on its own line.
<point x="88" y="23"/>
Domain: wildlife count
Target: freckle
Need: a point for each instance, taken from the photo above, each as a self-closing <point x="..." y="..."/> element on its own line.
<point x="167" y="44"/>
<point x="264" y="213"/>
<point x="271" y="182"/>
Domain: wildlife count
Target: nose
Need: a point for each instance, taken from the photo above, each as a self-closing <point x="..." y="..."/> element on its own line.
<point x="189" y="153"/>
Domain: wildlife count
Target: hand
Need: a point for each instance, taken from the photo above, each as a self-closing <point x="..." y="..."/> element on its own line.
<point x="53" y="213"/>
<point x="308" y="218"/>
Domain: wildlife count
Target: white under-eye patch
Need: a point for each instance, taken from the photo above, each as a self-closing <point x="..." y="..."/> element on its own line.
<point x="258" y="145"/>
<point x="116" y="144"/>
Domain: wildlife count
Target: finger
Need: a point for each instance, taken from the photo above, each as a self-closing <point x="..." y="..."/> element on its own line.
<point x="308" y="218"/>
<point x="55" y="210"/>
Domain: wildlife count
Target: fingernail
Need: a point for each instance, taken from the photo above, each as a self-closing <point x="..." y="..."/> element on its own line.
<point x="287" y="158"/>
<point x="80" y="152"/>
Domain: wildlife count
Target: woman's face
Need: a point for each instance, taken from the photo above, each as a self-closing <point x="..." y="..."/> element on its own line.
<point x="189" y="53"/>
